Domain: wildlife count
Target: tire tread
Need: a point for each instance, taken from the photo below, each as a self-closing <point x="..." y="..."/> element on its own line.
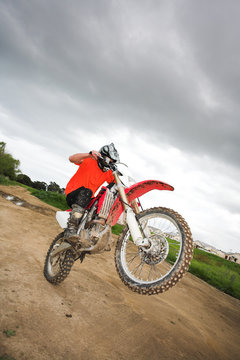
<point x="65" y="268"/>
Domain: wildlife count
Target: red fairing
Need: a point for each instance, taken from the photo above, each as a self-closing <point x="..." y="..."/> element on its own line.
<point x="101" y="199"/>
<point x="133" y="192"/>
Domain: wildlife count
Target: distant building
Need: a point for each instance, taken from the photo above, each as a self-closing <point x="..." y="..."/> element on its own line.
<point x="234" y="257"/>
<point x="198" y="245"/>
<point x="210" y="250"/>
<point x="221" y="254"/>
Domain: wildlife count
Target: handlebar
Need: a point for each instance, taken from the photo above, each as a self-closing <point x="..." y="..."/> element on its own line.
<point x="112" y="166"/>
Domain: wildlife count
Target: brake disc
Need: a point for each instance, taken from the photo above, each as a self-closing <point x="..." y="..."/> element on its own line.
<point x="157" y="252"/>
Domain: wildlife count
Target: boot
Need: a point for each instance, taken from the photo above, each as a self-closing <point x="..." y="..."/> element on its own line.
<point x="70" y="232"/>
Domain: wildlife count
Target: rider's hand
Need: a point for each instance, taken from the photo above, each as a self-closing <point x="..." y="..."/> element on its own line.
<point x="94" y="154"/>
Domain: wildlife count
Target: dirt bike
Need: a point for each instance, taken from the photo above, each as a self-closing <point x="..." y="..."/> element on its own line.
<point x="153" y="251"/>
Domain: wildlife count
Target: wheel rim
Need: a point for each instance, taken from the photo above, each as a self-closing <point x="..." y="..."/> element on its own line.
<point x="152" y="265"/>
<point x="55" y="262"/>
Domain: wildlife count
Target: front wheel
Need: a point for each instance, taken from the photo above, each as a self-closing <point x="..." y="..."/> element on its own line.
<point x="159" y="267"/>
<point x="57" y="267"/>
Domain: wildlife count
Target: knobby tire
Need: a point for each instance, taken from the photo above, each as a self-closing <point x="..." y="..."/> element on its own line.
<point x="180" y="267"/>
<point x="65" y="266"/>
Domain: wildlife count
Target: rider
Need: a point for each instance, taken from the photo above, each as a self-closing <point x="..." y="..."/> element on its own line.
<point x="92" y="172"/>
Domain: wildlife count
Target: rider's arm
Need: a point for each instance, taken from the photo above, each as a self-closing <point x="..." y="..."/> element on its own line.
<point x="78" y="158"/>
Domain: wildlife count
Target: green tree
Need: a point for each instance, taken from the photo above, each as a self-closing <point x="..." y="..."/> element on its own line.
<point x="8" y="165"/>
<point x="40" y="185"/>
<point x="54" y="187"/>
<point x="24" y="179"/>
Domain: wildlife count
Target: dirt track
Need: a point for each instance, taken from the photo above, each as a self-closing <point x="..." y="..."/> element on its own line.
<point x="92" y="315"/>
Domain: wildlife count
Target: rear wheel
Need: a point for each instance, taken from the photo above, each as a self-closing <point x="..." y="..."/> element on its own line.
<point x="57" y="267"/>
<point x="163" y="264"/>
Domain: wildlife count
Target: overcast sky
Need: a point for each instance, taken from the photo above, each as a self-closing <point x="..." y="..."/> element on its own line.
<point x="159" y="78"/>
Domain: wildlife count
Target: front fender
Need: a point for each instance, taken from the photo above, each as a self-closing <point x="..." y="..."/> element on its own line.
<point x="133" y="192"/>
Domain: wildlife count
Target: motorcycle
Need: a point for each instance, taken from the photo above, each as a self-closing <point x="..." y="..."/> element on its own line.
<point x="153" y="251"/>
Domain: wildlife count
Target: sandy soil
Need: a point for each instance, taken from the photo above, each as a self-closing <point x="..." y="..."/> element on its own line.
<point x="92" y="315"/>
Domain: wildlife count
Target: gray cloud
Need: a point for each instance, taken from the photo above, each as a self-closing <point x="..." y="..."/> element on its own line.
<point x="166" y="69"/>
<point x="214" y="40"/>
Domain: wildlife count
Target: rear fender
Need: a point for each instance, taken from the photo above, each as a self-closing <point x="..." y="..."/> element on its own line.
<point x="133" y="192"/>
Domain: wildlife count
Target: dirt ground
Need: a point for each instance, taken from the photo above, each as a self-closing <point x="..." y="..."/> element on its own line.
<point x="92" y="314"/>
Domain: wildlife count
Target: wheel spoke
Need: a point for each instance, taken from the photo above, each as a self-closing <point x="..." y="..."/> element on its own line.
<point x="130" y="261"/>
<point x="157" y="272"/>
<point x="140" y="274"/>
<point x="150" y="272"/>
<point x="136" y="268"/>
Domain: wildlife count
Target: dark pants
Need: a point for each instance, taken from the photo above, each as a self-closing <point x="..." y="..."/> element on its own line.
<point x="81" y="196"/>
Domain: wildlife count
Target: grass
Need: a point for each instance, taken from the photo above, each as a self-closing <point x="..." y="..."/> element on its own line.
<point x="51" y="198"/>
<point x="174" y="247"/>
<point x="216" y="271"/>
<point x="117" y="229"/>
<point x="9" y="332"/>
<point x="5" y="181"/>
<point x="220" y="273"/>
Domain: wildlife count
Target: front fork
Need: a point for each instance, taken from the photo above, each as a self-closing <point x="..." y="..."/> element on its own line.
<point x="131" y="220"/>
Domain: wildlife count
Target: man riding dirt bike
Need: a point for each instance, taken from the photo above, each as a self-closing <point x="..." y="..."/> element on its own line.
<point x="154" y="249"/>
<point x="93" y="171"/>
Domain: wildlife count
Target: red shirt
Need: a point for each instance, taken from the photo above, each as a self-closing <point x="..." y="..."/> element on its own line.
<point x="89" y="175"/>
